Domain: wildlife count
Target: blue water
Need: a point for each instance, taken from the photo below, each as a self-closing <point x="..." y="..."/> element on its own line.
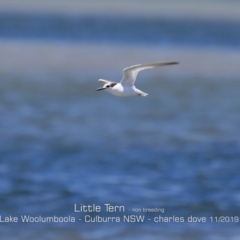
<point x="62" y="143"/>
<point x="125" y="30"/>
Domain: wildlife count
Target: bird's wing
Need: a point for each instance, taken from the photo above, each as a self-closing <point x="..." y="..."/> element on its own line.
<point x="130" y="73"/>
<point x="103" y="81"/>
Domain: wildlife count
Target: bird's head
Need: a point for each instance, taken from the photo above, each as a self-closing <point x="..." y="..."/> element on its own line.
<point x="106" y="84"/>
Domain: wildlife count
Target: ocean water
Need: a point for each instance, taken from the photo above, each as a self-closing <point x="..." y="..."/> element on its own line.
<point x="62" y="143"/>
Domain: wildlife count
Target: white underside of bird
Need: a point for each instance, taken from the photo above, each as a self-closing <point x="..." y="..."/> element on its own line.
<point x="126" y="87"/>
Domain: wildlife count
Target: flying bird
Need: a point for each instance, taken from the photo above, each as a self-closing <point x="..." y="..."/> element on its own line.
<point x="126" y="87"/>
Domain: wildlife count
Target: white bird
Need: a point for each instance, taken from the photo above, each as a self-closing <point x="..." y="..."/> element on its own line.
<point x="126" y="87"/>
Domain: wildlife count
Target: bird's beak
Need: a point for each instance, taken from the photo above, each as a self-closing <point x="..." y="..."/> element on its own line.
<point x="102" y="88"/>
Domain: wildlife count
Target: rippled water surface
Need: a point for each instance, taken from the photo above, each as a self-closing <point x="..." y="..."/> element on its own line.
<point x="62" y="143"/>
<point x="178" y="149"/>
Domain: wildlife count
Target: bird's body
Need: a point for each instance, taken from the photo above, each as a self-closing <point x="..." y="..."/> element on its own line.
<point x="120" y="90"/>
<point x="126" y="87"/>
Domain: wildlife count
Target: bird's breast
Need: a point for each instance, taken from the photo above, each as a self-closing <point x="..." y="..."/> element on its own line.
<point x="121" y="91"/>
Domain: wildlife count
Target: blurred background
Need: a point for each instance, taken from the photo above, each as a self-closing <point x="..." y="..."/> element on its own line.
<point x="62" y="143"/>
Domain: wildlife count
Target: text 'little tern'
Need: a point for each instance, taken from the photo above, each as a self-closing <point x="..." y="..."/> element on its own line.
<point x="126" y="87"/>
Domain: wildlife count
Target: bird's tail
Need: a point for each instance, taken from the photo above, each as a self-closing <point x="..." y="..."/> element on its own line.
<point x="142" y="94"/>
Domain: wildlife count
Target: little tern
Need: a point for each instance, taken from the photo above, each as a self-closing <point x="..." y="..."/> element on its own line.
<point x="126" y="87"/>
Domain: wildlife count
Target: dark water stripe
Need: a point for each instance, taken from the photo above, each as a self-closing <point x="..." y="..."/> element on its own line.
<point x="134" y="30"/>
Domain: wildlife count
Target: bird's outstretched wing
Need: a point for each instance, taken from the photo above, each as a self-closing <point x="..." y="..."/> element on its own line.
<point x="130" y="73"/>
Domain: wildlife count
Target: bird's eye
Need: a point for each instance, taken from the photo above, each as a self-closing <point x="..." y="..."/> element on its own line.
<point x="108" y="86"/>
